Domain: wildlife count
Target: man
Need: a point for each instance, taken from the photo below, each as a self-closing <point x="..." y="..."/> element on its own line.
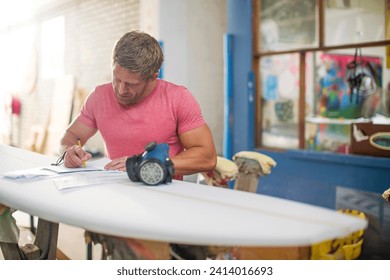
<point x="137" y="108"/>
<point x="133" y="110"/>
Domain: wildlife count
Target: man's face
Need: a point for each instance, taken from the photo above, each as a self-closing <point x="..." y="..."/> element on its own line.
<point x="128" y="86"/>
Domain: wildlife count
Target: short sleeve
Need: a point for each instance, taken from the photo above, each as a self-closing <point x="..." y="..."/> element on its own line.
<point x="189" y="115"/>
<point x="87" y="115"/>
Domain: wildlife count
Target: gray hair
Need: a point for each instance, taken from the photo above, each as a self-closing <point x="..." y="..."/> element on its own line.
<point x="138" y="52"/>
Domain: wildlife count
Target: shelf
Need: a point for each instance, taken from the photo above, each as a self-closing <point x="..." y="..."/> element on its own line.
<point x="378" y="119"/>
<point x="322" y="120"/>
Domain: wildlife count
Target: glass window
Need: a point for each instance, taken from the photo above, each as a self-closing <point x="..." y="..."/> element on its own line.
<point x="280" y="98"/>
<point x="341" y="85"/>
<point x="348" y="81"/>
<point x="288" y="24"/>
<point x="354" y="21"/>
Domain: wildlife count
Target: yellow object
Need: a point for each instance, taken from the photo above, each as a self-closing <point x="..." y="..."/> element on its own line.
<point x="225" y="171"/>
<point x="348" y="248"/>
<point x="79" y="144"/>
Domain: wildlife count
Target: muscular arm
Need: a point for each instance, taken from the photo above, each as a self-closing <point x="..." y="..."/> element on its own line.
<point x="200" y="154"/>
<point x="75" y="156"/>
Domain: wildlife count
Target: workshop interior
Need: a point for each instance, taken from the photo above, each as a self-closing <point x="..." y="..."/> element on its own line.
<point x="296" y="94"/>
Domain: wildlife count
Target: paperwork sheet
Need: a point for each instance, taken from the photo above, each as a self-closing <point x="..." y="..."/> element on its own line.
<point x="28" y="173"/>
<point x="63" y="169"/>
<point x="99" y="176"/>
<point x="51" y="170"/>
<point x="65" y="178"/>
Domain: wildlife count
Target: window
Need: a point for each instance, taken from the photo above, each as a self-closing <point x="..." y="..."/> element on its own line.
<point x="288" y="24"/>
<point x="280" y="99"/>
<point x="354" y="21"/>
<point x="307" y="56"/>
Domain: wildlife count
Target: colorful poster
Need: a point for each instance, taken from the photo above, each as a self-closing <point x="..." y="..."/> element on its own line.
<point x="347" y="85"/>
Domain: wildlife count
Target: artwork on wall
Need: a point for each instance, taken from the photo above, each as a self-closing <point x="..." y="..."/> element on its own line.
<point x="347" y="85"/>
<point x="280" y="91"/>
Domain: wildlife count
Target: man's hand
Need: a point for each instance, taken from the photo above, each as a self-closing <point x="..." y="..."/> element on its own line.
<point x="117" y="164"/>
<point x="75" y="157"/>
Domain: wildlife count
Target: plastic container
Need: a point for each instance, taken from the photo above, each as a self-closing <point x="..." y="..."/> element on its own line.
<point x="348" y="248"/>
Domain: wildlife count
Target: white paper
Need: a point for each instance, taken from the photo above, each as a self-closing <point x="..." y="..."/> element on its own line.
<point x="65" y="178"/>
<point x="28" y="173"/>
<point x="36" y="172"/>
<point x="99" y="163"/>
<point x="75" y="180"/>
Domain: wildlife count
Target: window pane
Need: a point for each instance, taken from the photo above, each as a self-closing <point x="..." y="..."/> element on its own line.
<point x="354" y="21"/>
<point x="286" y="25"/>
<point x="280" y="98"/>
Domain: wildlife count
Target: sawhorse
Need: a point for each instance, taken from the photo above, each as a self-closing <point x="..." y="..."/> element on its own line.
<point x="43" y="248"/>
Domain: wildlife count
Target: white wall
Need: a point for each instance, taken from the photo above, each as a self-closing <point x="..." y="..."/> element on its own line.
<point x="192" y="33"/>
<point x="150" y="17"/>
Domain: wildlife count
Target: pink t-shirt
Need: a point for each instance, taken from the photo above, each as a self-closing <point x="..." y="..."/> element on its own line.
<point x="168" y="111"/>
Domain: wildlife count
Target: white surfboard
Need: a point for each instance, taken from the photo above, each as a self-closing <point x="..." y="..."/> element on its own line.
<point x="179" y="212"/>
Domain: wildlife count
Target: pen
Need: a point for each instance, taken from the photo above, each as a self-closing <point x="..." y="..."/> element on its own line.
<point x="79" y="144"/>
